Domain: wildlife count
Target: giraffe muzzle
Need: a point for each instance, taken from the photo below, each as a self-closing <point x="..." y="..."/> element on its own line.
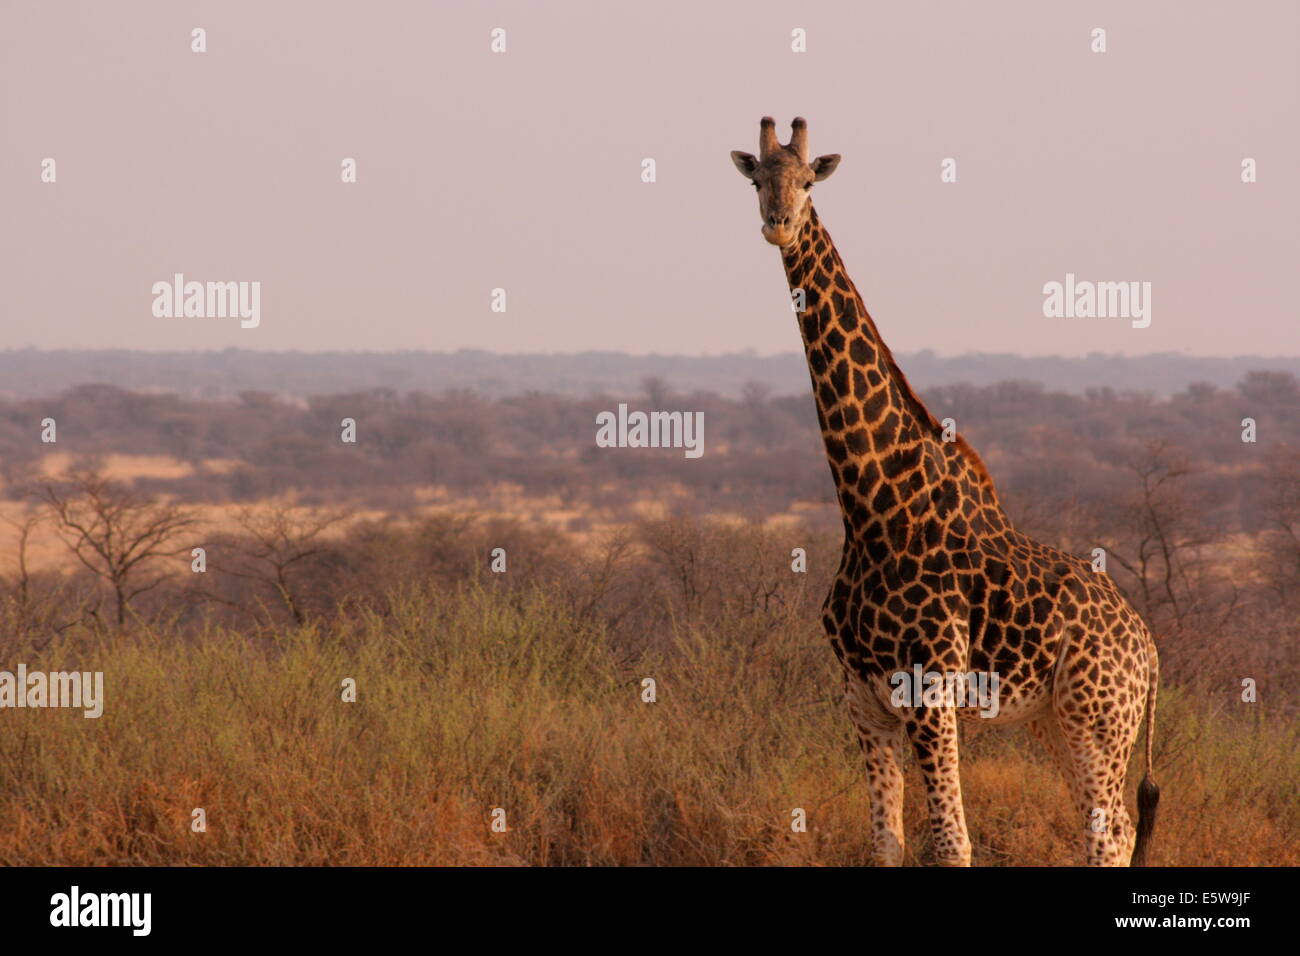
<point x="778" y="235"/>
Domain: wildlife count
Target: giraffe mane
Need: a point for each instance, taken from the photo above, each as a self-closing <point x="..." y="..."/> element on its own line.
<point x="918" y="407"/>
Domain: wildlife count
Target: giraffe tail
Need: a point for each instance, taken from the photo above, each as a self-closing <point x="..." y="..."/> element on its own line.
<point x="1148" y="792"/>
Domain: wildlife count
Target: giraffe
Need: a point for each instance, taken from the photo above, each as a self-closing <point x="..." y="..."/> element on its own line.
<point x="933" y="574"/>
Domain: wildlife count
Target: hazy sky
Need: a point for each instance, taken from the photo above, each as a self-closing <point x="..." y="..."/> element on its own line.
<point x="522" y="170"/>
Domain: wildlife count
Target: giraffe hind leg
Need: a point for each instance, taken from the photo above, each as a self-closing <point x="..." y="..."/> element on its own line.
<point x="1099" y="746"/>
<point x="880" y="736"/>
<point x="1047" y="733"/>
<point x="1083" y="795"/>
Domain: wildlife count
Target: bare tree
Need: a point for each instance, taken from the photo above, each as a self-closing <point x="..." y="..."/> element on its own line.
<point x="678" y="545"/>
<point x="759" y="417"/>
<point x="278" y="544"/>
<point x="21" y="598"/>
<point x="115" y="533"/>
<point x="1279" y="542"/>
<point x="23" y="525"/>
<point x="1165" y="537"/>
<point x="657" y="391"/>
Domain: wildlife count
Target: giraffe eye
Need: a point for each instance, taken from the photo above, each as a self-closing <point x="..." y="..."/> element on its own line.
<point x="810" y="185"/>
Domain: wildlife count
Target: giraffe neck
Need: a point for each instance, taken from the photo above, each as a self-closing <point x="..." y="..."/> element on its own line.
<point x="898" y="482"/>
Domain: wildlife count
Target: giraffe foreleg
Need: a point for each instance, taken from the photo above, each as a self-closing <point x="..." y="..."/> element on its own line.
<point x="933" y="732"/>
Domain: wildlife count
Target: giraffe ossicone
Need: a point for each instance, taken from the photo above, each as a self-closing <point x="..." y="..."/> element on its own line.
<point x="934" y="577"/>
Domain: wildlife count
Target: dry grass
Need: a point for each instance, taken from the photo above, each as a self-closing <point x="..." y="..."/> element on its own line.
<point x="479" y="698"/>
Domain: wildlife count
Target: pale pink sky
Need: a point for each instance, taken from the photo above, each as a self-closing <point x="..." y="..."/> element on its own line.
<point x="522" y="171"/>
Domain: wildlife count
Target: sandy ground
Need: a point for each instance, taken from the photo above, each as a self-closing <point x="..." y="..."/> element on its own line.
<point x="45" y="550"/>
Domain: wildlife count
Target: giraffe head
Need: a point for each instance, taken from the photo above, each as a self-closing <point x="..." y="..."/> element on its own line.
<point x="783" y="177"/>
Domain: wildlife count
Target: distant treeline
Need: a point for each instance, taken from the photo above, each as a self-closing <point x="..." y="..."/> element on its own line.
<point x="31" y="373"/>
<point x="1047" y="451"/>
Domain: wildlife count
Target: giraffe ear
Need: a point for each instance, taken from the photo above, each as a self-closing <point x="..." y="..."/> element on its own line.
<point x="745" y="162"/>
<point x="823" y="166"/>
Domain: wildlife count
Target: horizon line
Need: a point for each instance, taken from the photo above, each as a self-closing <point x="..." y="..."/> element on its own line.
<point x="743" y="354"/>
